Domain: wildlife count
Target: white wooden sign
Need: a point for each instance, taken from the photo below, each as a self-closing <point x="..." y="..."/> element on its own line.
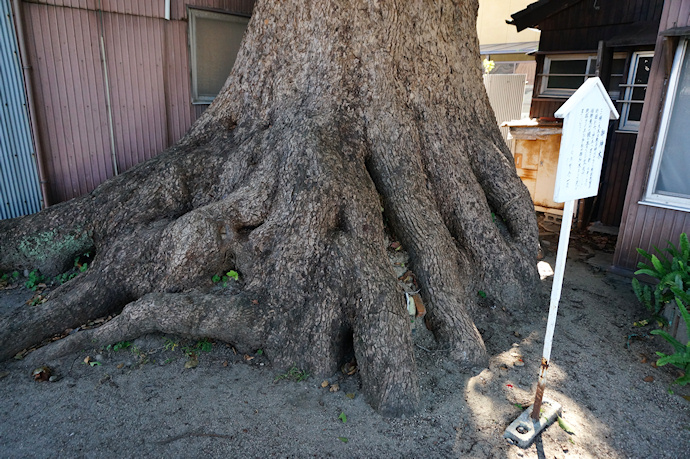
<point x="586" y="118"/>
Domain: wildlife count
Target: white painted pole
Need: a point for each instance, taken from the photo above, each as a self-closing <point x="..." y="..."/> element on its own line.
<point x="556" y="289"/>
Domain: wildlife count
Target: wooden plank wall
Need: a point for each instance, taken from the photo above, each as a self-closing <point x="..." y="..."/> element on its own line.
<point x="581" y="26"/>
<point x="614" y="178"/>
<point x="148" y="75"/>
<point x="645" y="226"/>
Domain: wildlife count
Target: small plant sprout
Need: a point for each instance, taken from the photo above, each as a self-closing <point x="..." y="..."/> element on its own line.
<point x="293" y="374"/>
<point x="121" y="345"/>
<point x="225" y="278"/>
<point x="170" y="345"/>
<point x="35" y="280"/>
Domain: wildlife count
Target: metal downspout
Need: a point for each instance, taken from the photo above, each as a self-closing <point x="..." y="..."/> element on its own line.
<point x="28" y="85"/>
<point x="108" y="105"/>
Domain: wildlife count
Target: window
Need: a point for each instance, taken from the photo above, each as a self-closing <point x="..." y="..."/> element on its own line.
<point x="564" y="74"/>
<point x="668" y="180"/>
<point x="214" y="40"/>
<point x="617" y="75"/>
<point x="634" y="91"/>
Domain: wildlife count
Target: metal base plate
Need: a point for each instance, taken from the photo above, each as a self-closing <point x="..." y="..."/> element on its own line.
<point x="524" y="429"/>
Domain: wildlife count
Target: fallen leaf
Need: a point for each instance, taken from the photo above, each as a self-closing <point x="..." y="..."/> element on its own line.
<point x="350" y="395"/>
<point x="419" y="306"/>
<point x="648" y="379"/>
<point x="325" y="383"/>
<point x="343" y="439"/>
<point x="342" y="417"/>
<point x="41" y="373"/>
<point x="248" y="357"/>
<point x="395" y="245"/>
<point x="87" y="359"/>
<point x="335" y="387"/>
<point x="120" y="366"/>
<point x="191" y="363"/>
<point x="406" y="277"/>
<point x="225" y="364"/>
<point x="565" y="426"/>
<point x="349" y="368"/>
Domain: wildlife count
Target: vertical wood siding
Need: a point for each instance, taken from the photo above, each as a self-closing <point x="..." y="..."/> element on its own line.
<point x="644" y="226"/>
<point x="581" y="26"/>
<point x="148" y="76"/>
<point x="614" y="178"/>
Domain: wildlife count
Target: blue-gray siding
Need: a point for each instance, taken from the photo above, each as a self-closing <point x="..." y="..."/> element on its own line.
<point x="19" y="188"/>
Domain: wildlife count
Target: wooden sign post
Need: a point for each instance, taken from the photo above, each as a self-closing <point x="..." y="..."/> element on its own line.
<point x="586" y="118"/>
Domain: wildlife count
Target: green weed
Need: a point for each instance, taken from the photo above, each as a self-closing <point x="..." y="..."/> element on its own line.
<point x="671" y="269"/>
<point x="293" y="374"/>
<point x="9" y="277"/>
<point x="80" y="266"/>
<point x="119" y="346"/>
<point x="225" y="278"/>
<point x="35" y="278"/>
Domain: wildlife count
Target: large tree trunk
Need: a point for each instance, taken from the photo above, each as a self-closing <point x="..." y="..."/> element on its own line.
<point x="340" y="121"/>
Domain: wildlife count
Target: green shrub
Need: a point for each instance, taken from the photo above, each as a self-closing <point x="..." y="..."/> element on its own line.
<point x="671" y="269"/>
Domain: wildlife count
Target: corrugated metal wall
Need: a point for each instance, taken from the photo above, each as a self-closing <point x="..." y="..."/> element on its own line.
<point x="506" y="93"/>
<point x="149" y="87"/>
<point x="644" y="226"/>
<point x="19" y="189"/>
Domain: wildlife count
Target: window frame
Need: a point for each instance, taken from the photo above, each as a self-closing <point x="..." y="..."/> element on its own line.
<point x="192" y="15"/>
<point x="625" y="124"/>
<point x="590" y="71"/>
<point x="652" y="198"/>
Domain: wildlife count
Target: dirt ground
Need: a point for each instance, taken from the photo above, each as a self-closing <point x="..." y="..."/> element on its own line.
<point x="142" y="401"/>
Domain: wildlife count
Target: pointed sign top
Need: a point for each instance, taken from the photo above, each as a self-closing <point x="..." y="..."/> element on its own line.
<point x="592" y="88"/>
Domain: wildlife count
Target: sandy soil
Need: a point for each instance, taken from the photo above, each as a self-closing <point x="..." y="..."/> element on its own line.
<point x="142" y="402"/>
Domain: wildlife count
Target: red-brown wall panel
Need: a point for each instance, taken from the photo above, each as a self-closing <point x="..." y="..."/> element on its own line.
<point x="642" y="225"/>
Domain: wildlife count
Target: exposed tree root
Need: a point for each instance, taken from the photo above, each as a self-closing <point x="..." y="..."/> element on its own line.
<point x="341" y="122"/>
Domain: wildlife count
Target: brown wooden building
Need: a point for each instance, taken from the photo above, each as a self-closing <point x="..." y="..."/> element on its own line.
<point x="657" y="203"/>
<point x="639" y="48"/>
<point x="115" y="82"/>
<point x="612" y="39"/>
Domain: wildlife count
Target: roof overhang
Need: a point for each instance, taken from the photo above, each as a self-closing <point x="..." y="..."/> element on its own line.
<point x="637" y="34"/>
<point x="536" y="12"/>
<point x="510" y="48"/>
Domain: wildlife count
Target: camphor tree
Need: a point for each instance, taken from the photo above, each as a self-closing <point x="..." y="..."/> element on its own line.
<point x="340" y="121"/>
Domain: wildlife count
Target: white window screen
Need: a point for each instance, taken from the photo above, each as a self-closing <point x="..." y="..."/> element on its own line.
<point x="215" y="39"/>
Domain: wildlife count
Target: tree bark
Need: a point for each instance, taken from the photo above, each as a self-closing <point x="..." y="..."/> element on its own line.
<point x="340" y="123"/>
